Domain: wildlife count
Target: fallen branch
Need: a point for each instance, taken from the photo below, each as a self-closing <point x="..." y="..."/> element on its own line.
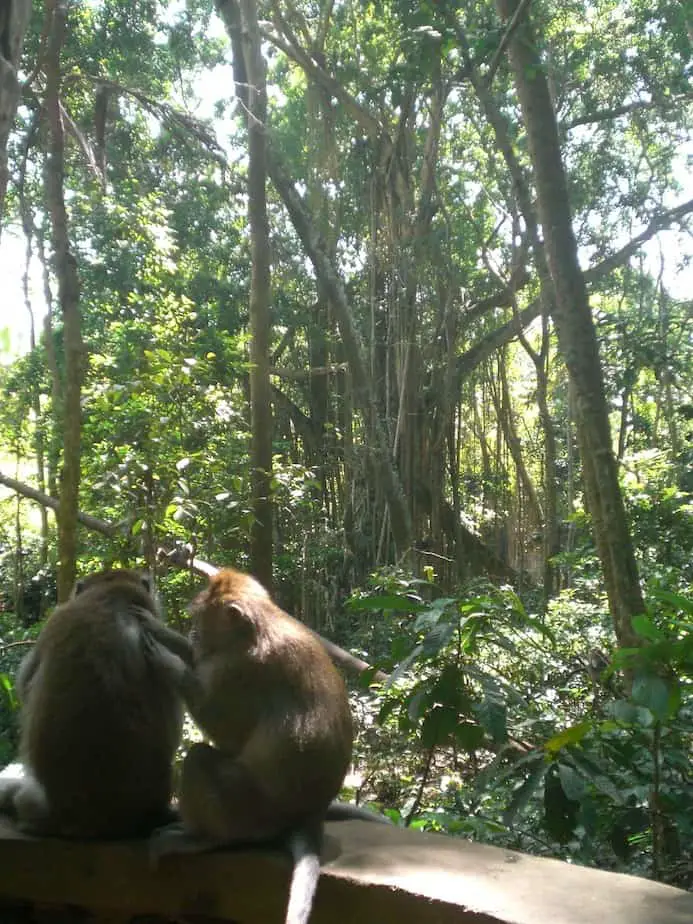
<point x="180" y="557"/>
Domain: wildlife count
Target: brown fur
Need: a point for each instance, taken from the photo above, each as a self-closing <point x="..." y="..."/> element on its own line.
<point x="101" y="713"/>
<point x="276" y="710"/>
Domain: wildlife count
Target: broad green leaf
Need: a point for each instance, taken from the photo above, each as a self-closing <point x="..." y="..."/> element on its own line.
<point x="653" y="693"/>
<point x="492" y="713"/>
<point x="390" y="602"/>
<point x="677" y="601"/>
<point x="404" y="666"/>
<point x="573" y="784"/>
<point x="437" y="639"/>
<point x="469" y="736"/>
<point x="644" y="626"/>
<point x="438" y="725"/>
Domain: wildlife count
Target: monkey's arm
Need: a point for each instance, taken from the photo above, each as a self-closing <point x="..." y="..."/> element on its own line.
<point x="169" y="638"/>
<point x="172" y="666"/>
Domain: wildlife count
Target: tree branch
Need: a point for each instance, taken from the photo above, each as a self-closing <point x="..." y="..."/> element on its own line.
<point x="507" y="35"/>
<point x="606" y="115"/>
<point x="180" y="557"/>
<point x="45" y="500"/>
<point x="472" y="358"/>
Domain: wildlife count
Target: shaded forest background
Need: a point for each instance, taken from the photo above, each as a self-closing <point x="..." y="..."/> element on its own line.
<point x="382" y="302"/>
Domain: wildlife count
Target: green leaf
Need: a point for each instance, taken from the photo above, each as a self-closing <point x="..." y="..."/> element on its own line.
<point x="597" y="777"/>
<point x="438" y="725"/>
<point x="644" y="626"/>
<point x="677" y="601"/>
<point x="437" y="639"/>
<point x="367" y="677"/>
<point x="573" y="784"/>
<point x="492" y="713"/>
<point x="469" y="736"/>
<point x="624" y="711"/>
<point x="653" y="693"/>
<point x="404" y="666"/>
<point x="568" y="736"/>
<point x="391" y="602"/>
<point x="417" y="705"/>
<point x="560" y="811"/>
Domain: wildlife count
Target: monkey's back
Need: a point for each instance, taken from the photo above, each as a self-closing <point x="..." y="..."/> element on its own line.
<point x="286" y="716"/>
<point x="100" y="725"/>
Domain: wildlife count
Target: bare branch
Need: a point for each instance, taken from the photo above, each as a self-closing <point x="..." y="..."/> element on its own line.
<point x="181" y="557"/>
<point x="606" y="115"/>
<point x="99" y="526"/>
<point x="299" y="374"/>
<point x="507" y="35"/>
<point x="85" y="146"/>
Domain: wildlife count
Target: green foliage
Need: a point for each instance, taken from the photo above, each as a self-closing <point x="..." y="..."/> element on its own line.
<point x="494" y="723"/>
<point x="508" y="740"/>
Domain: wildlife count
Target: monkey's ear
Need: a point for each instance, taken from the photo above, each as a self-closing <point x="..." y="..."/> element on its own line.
<point x="236" y="611"/>
<point x="238" y="622"/>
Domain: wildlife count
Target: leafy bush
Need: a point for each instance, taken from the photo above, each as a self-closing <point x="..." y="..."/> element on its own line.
<point x="522" y="732"/>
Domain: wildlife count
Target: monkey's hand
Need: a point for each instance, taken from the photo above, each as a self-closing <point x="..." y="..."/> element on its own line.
<point x="181" y="555"/>
<point x="174" y="838"/>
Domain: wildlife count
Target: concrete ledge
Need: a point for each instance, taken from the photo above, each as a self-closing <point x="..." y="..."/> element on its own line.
<point x="371" y="873"/>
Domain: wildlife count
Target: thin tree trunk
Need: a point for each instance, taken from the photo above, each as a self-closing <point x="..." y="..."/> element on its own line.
<point x="504" y="414"/>
<point x="68" y="293"/>
<point x="260" y="296"/>
<point x="575" y="328"/>
<point x="551" y="536"/>
<point x="18" y="557"/>
<point x="551" y="544"/>
<point x="14" y="19"/>
<point x="49" y="342"/>
<point x="39" y="436"/>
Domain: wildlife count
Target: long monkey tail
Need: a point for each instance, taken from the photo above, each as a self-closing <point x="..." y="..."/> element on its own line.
<point x="304" y="844"/>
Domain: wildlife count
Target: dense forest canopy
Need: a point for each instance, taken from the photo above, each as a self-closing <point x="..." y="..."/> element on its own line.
<point x="387" y="303"/>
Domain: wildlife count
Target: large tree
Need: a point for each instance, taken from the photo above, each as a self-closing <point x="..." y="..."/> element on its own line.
<point x="69" y="411"/>
<point x="249" y="72"/>
<point x="573" y="318"/>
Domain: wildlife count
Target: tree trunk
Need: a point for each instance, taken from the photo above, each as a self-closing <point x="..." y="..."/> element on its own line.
<point x="260" y="296"/>
<point x="14" y="19"/>
<point x="39" y="435"/>
<point x="551" y="538"/>
<point x="576" y="333"/>
<point x="65" y="267"/>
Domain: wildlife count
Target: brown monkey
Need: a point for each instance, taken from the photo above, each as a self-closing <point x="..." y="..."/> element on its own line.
<point x="101" y="714"/>
<point x="266" y="692"/>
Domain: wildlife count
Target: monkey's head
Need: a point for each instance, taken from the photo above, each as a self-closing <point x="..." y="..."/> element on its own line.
<point x="226" y="612"/>
<point x="140" y="583"/>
